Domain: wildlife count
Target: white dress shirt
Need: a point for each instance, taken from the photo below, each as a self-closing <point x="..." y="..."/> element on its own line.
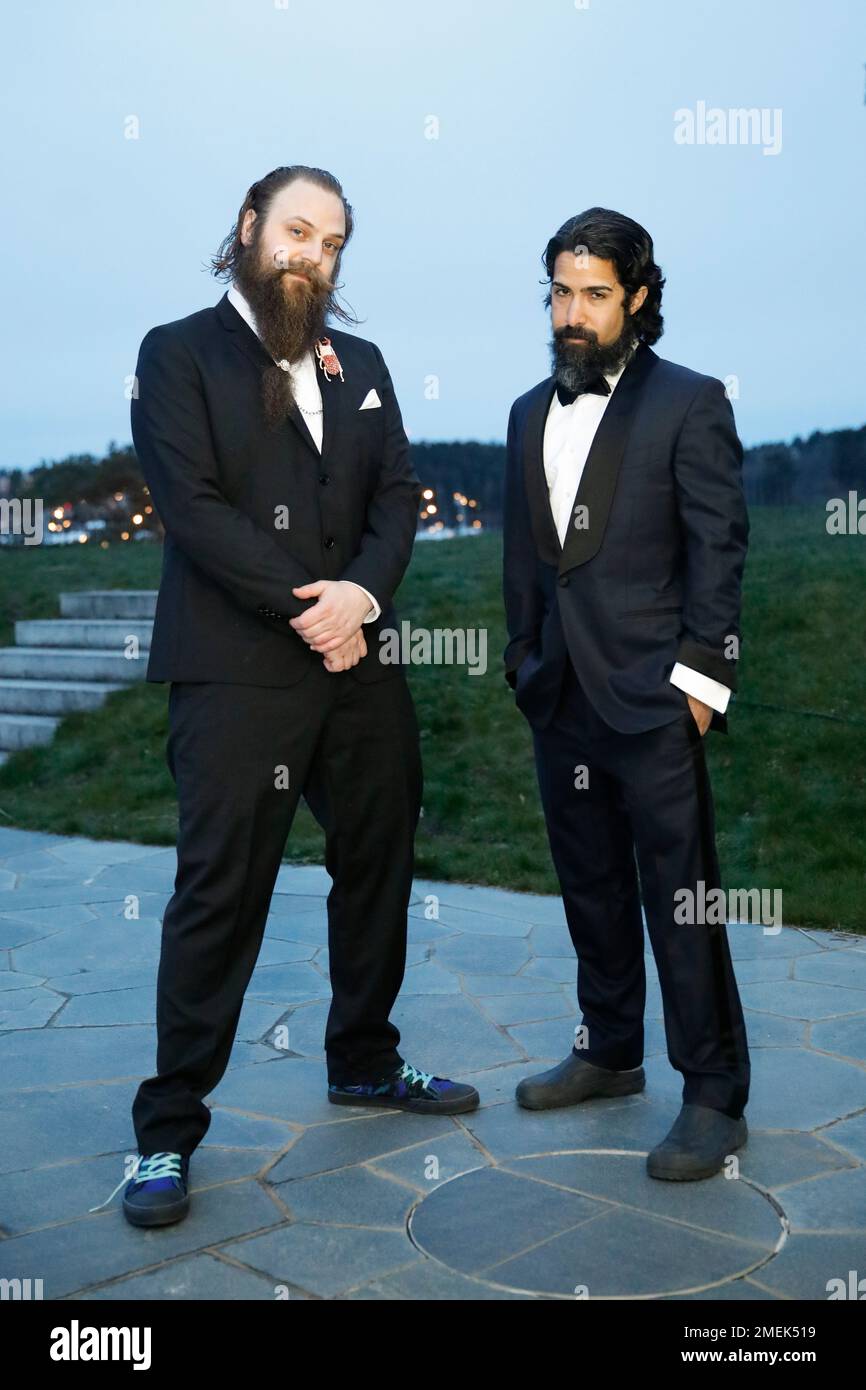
<point x="568" y="434"/>
<point x="308" y="397"/>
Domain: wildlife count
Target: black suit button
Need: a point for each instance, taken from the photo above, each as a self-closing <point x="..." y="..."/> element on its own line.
<point x="329" y="542"/>
<point x="563" y="579"/>
<point x="324" y="479"/>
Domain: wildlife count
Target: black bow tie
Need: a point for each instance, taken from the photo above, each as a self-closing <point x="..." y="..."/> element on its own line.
<point x="597" y="386"/>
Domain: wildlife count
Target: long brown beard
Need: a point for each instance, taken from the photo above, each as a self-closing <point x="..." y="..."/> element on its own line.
<point x="289" y="322"/>
<point x="278" y="398"/>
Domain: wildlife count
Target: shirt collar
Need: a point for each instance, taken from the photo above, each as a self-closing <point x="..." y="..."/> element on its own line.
<point x="241" y="303"/>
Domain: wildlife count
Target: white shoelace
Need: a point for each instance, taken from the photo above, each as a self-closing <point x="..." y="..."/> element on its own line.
<point x="161" y="1165"/>
<point x="410" y="1074"/>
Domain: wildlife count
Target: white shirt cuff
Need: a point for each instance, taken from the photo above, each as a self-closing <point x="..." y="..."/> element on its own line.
<point x="371" y="617"/>
<point x="711" y="692"/>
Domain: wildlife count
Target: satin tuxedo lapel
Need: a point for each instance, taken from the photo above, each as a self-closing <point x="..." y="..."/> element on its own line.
<point x="601" y="470"/>
<point x="248" y="342"/>
<point x="537" y="495"/>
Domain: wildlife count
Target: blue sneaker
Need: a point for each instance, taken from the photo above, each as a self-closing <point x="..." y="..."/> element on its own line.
<point x="407" y="1088"/>
<point x="158" y="1193"/>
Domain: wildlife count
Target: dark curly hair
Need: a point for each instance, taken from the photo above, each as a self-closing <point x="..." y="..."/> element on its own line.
<point x="614" y="237"/>
<point x="259" y="197"/>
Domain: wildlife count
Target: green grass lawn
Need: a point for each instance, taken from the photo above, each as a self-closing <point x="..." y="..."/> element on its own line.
<point x="789" y="780"/>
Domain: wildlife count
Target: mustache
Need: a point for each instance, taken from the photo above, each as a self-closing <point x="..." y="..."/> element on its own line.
<point x="310" y="273"/>
<point x="579" y="334"/>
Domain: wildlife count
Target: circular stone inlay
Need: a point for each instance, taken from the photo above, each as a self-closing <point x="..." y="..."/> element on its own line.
<point x="590" y="1223"/>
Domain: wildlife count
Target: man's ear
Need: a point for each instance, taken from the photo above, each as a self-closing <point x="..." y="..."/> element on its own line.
<point x="247" y="226"/>
<point x="638" y="298"/>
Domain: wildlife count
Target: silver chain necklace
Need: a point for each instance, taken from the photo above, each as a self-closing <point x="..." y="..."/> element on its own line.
<point x="284" y="364"/>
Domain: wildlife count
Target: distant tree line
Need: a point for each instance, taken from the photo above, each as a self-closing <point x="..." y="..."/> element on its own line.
<point x="112" y="487"/>
<point x="807" y="470"/>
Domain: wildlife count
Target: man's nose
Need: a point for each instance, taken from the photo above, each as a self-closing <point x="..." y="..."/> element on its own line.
<point x="576" y="315"/>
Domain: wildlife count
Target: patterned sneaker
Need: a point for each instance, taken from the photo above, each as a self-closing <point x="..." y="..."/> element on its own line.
<point x="409" y="1089"/>
<point x="158" y="1193"/>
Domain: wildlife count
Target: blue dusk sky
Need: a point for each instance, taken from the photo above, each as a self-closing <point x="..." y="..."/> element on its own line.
<point x="537" y="109"/>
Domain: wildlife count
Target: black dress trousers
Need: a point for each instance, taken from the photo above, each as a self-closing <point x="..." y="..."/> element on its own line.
<point x="643" y="826"/>
<point x="241" y="757"/>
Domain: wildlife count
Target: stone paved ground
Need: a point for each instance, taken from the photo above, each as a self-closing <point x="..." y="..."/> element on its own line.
<point x="291" y="1192"/>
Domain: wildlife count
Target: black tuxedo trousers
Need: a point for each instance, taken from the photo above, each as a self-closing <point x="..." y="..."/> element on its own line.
<point x="241" y="757"/>
<point x="641" y="820"/>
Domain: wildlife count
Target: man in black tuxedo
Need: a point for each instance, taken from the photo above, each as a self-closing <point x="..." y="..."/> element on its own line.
<point x="276" y="458"/>
<point x="625" y="542"/>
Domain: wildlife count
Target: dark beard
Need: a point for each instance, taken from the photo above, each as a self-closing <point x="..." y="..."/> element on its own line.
<point x="574" y="366"/>
<point x="288" y="322"/>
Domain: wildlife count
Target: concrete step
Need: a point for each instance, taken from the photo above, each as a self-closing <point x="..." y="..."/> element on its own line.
<point x="52" y="697"/>
<point x="108" y="603"/>
<point x="110" y="633"/>
<point x="70" y="664"/>
<point x="25" y="730"/>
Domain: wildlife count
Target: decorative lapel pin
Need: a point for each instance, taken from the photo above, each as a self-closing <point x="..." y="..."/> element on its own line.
<point x="328" y="359"/>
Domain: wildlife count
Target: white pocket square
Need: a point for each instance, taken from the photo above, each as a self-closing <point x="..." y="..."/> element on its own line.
<point x="370" y="401"/>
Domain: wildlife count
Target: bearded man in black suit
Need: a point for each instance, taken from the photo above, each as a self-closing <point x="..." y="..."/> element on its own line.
<point x="625" y="541"/>
<point x="277" y="461"/>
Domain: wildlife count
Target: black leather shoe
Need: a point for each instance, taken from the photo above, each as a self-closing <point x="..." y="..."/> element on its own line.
<point x="699" y="1141"/>
<point x="574" y="1080"/>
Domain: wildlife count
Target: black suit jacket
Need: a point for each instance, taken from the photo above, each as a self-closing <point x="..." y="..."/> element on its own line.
<point x="218" y="478"/>
<point x="655" y="577"/>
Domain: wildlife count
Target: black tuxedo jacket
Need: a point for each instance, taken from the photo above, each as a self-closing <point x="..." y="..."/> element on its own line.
<point x="655" y="576"/>
<point x="220" y="481"/>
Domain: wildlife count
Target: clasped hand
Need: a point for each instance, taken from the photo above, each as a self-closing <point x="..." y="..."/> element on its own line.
<point x="332" y="625"/>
